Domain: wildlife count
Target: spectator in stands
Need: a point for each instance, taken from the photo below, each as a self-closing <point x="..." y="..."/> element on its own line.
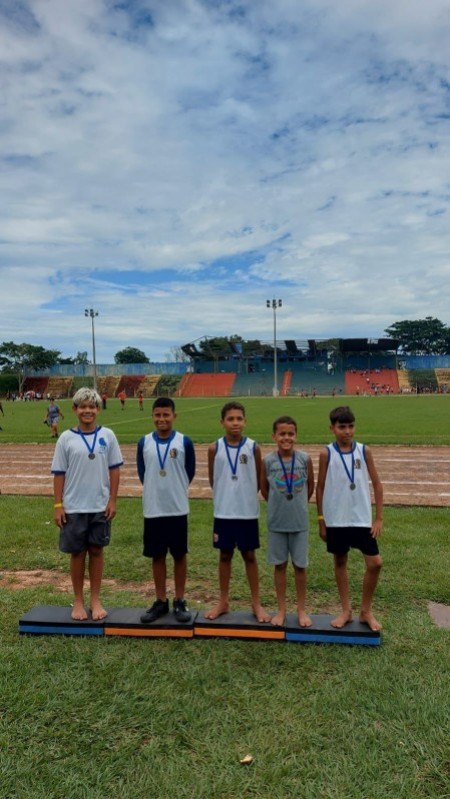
<point x="345" y="512"/>
<point x="287" y="483"/>
<point x="234" y="464"/>
<point x="52" y="417"/>
<point x="166" y="467"/>
<point x="86" y="473"/>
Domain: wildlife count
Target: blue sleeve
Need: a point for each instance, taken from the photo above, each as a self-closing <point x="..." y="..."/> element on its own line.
<point x="189" y="458"/>
<point x="140" y="459"/>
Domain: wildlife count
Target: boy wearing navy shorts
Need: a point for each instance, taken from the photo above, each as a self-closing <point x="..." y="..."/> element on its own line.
<point x="234" y="464"/>
<point x="86" y="472"/>
<point x="287" y="483"/>
<point x="166" y="467"/>
<point x="345" y="512"/>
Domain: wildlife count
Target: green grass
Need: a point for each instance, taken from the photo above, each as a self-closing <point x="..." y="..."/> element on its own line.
<point x="382" y="420"/>
<point x="102" y="718"/>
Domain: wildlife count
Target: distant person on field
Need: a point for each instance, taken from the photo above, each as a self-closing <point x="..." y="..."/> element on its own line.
<point x="52" y="417"/>
<point x="287" y="483"/>
<point x="345" y="512"/>
<point x="141" y="401"/>
<point x="104" y="400"/>
<point x="166" y="467"/>
<point x="234" y="464"/>
<point x="86" y="469"/>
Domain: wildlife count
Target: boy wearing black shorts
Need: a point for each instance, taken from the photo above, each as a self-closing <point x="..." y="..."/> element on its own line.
<point x="345" y="512"/>
<point x="166" y="467"/>
<point x="234" y="463"/>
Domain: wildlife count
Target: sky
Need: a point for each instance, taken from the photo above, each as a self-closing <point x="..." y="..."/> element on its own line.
<point x="174" y="164"/>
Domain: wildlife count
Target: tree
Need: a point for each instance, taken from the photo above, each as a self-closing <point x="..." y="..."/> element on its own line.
<point x="427" y="336"/>
<point x="18" y="359"/>
<point x="131" y="355"/>
<point x="81" y="358"/>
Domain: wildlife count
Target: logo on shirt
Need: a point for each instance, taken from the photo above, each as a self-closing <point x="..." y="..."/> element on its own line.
<point x="173" y="453"/>
<point x="243" y="458"/>
<point x="102" y="445"/>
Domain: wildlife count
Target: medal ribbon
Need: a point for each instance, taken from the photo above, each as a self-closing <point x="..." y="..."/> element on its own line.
<point x="164" y="457"/>
<point x="233" y="466"/>
<point x="289" y="480"/>
<point x="350" y="475"/>
<point x="90" y="449"/>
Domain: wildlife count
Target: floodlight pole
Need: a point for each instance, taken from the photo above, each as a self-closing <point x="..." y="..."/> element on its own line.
<point x="89" y="312"/>
<point x="274" y="304"/>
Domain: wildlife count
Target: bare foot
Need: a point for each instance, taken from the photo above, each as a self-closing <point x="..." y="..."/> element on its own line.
<point x="279" y="619"/>
<point x="78" y="612"/>
<point x="303" y="619"/>
<point x="98" y="611"/>
<point x="342" y="619"/>
<point x="260" y="613"/>
<point x="217" y="610"/>
<point x="367" y="617"/>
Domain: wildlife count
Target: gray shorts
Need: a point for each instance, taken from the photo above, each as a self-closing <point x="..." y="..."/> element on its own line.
<point x="83" y="530"/>
<point x="281" y="545"/>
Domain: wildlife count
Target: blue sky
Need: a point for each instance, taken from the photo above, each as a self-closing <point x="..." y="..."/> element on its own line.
<point x="175" y="164"/>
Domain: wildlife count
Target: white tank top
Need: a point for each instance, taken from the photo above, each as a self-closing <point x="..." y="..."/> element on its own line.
<point x="165" y="495"/>
<point x="235" y="484"/>
<point x="342" y="506"/>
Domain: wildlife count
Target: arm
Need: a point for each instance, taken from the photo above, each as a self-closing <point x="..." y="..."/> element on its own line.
<point x="140" y="463"/>
<point x="58" y="489"/>
<point x="114" y="478"/>
<point x="310" y="479"/>
<point x="211" y="456"/>
<point x="189" y="458"/>
<point x="263" y="481"/>
<point x="323" y="468"/>
<point x="377" y="524"/>
<point x="258" y="462"/>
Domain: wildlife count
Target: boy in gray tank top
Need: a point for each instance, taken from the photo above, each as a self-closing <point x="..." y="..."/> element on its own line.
<point x="287" y="483"/>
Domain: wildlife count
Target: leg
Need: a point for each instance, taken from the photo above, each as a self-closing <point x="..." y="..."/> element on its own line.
<point x="300" y="588"/>
<point x="341" y="574"/>
<point x="179" y="573"/>
<point x="77" y="566"/>
<point x="251" y="568"/>
<point x="280" y="590"/>
<point x="159" y="576"/>
<point x="95" y="578"/>
<point x="370" y="580"/>
<point x="226" y="556"/>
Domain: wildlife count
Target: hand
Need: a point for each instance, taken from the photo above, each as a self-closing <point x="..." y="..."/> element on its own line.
<point x="377" y="528"/>
<point x="110" y="510"/>
<point x="60" y="517"/>
<point x="322" y="530"/>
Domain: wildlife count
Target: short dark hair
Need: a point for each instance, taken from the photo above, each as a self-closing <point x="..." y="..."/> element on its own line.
<point x="164" y="402"/>
<point x="342" y="414"/>
<point x="283" y="420"/>
<point x="231" y="406"/>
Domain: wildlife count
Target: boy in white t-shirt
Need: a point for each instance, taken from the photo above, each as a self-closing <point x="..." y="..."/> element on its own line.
<point x="86" y="472"/>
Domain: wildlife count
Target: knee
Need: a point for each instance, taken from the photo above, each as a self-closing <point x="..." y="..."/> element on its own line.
<point x="226" y="555"/>
<point x="249" y="556"/>
<point x="374" y="565"/>
<point x="340" y="561"/>
<point x="281" y="567"/>
<point x="95" y="552"/>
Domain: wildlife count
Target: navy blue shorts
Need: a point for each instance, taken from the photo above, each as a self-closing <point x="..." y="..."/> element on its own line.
<point x="240" y="533"/>
<point x="341" y="539"/>
<point x="163" y="534"/>
<point x="84" y="530"/>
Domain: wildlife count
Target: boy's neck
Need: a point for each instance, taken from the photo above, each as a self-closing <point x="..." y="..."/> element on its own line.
<point x="83" y="428"/>
<point x="286" y="454"/>
<point x="165" y="434"/>
<point x="233" y="440"/>
<point x="344" y="447"/>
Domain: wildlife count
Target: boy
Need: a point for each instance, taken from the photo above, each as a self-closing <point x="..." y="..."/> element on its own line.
<point x="86" y="468"/>
<point x="345" y="512"/>
<point x="52" y="417"/>
<point x="287" y="483"/>
<point x="234" y="465"/>
<point x="166" y="467"/>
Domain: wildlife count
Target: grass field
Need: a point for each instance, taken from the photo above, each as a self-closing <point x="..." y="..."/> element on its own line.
<point x="406" y="420"/>
<point x="101" y="718"/>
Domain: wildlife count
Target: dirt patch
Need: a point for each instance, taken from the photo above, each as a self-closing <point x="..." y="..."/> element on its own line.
<point x="440" y="614"/>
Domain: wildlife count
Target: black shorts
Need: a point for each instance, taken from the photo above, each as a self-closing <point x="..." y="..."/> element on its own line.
<point x="164" y="534"/>
<point x="240" y="533"/>
<point x="341" y="539"/>
<point x="83" y="530"/>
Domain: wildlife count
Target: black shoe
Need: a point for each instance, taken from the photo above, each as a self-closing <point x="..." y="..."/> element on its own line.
<point x="158" y="609"/>
<point x="180" y="610"/>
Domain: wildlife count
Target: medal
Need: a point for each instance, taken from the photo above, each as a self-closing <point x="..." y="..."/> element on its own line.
<point x="350" y="474"/>
<point x="233" y="466"/>
<point x="162" y="460"/>
<point x="288" y="478"/>
<point x="91" y="454"/>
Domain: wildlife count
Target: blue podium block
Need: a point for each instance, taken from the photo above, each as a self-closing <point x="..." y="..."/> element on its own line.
<point x="56" y="620"/>
<point x="321" y="632"/>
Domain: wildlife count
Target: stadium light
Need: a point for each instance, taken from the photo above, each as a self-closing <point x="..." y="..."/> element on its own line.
<point x="274" y="304"/>
<point x="89" y="312"/>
